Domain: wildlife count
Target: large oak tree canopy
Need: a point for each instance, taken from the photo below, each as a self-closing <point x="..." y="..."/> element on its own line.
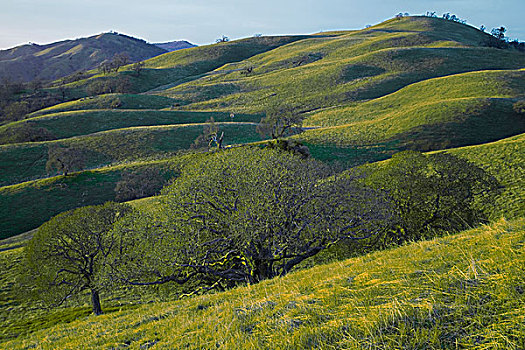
<point x="247" y="215"/>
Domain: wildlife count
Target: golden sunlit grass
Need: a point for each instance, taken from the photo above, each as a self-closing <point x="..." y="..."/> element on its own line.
<point x="466" y="290"/>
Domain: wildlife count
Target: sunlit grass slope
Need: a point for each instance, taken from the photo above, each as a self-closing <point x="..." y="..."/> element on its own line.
<point x="113" y="101"/>
<point x="75" y="123"/>
<point x="473" y="85"/>
<point x="464" y="109"/>
<point x="185" y="65"/>
<point x="461" y="291"/>
<point x="320" y="72"/>
<point x="26" y="161"/>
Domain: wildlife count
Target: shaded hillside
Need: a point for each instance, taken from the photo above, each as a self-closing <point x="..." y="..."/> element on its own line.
<point x="452" y="111"/>
<point x="505" y="160"/>
<point x="56" y="60"/>
<point x="27" y="161"/>
<point x="75" y="123"/>
<point x="109" y="101"/>
<point x="26" y="206"/>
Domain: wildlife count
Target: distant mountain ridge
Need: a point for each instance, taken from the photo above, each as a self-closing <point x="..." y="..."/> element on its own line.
<point x="175" y="45"/>
<point x="52" y="61"/>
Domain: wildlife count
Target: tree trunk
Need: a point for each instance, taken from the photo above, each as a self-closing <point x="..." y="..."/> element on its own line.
<point x="95" y="302"/>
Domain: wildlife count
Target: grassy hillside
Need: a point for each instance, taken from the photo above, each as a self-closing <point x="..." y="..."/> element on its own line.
<point x="26" y="206"/>
<point x="465" y="290"/>
<point x="452" y="111"/>
<point x="494" y="84"/>
<point x="109" y="101"/>
<point x="185" y="65"/>
<point x="320" y="72"/>
<point x="505" y="160"/>
<point x="75" y="123"/>
<point x="56" y="60"/>
<point x="27" y="161"/>
<point x="416" y="82"/>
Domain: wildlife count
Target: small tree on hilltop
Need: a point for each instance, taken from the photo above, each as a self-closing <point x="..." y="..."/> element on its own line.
<point x="280" y="121"/>
<point x="497" y="38"/>
<point x="66" y="255"/>
<point x="222" y="39"/>
<point x="499" y="33"/>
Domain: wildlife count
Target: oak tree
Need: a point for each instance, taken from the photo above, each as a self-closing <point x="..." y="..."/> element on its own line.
<point x="433" y="193"/>
<point x="66" y="255"/>
<point x="65" y="159"/>
<point x="245" y="215"/>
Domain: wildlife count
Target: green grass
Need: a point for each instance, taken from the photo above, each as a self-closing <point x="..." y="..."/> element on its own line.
<point x="26" y="206"/>
<point x="464" y="109"/>
<point x="464" y="291"/>
<point x="20" y="316"/>
<point x="83" y="122"/>
<point x="445" y="124"/>
<point x="124" y="101"/>
<point x="505" y="160"/>
<point x="185" y="65"/>
<point x="327" y="82"/>
<point x="26" y="161"/>
<point x="482" y="84"/>
<point x="339" y="70"/>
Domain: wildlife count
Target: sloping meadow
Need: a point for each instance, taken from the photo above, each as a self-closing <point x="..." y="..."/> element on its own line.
<point x="465" y="290"/>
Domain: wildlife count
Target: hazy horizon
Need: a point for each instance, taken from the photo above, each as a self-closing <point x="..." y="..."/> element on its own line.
<point x="201" y="22"/>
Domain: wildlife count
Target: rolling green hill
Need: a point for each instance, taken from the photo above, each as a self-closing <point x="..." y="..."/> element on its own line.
<point x="75" y="123"/>
<point x="419" y="83"/>
<point x="109" y="101"/>
<point x="26" y="161"/>
<point x="185" y="65"/>
<point x="322" y="72"/>
<point x="27" y="205"/>
<point x="452" y="111"/>
<point x="505" y="160"/>
<point x="410" y="83"/>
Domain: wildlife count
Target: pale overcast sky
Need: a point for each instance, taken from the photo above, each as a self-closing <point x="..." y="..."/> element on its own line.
<point x="202" y="21"/>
